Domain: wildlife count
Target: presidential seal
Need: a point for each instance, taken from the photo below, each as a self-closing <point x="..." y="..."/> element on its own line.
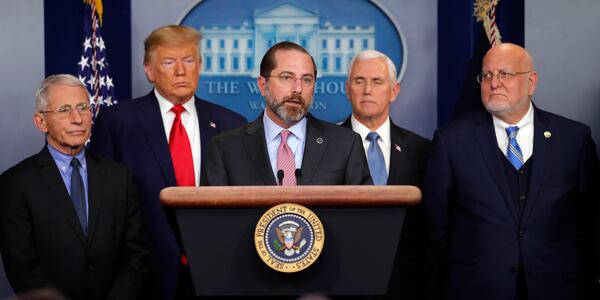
<point x="289" y="237"/>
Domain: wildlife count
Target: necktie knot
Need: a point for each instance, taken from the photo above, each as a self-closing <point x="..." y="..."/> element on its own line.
<point x="284" y="135"/>
<point x="512" y="131"/>
<point x="178" y="109"/>
<point x="372" y="136"/>
<point x="75" y="164"/>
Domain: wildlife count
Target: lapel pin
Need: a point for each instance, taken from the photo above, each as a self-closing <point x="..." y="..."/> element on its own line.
<point x="213" y="125"/>
<point x="547" y="134"/>
<point x="319" y="140"/>
<point x="398" y="148"/>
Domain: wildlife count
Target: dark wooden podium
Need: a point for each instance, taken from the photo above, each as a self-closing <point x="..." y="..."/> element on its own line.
<point x="362" y="228"/>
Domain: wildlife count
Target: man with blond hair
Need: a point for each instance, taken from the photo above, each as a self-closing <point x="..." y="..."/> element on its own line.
<point x="162" y="137"/>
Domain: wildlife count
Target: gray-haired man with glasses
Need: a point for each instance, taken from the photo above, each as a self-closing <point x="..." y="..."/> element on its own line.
<point x="69" y="219"/>
<point x="511" y="194"/>
<point x="286" y="145"/>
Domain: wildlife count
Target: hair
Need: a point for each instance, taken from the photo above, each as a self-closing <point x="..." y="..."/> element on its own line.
<point x="171" y="35"/>
<point x="268" y="63"/>
<point x="372" y="54"/>
<point x="41" y="96"/>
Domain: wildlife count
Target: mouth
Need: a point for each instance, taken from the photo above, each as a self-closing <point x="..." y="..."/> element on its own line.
<point x="294" y="101"/>
<point x="181" y="84"/>
<point x="77" y="132"/>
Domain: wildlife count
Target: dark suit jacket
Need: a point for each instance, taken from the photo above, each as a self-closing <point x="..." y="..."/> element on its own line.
<point x="332" y="156"/>
<point x="42" y="240"/>
<point x="407" y="164"/>
<point x="473" y="220"/>
<point x="133" y="133"/>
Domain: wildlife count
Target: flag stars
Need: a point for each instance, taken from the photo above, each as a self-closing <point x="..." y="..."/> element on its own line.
<point x="102" y="81"/>
<point x="83" y="62"/>
<point x="87" y="44"/>
<point x="109" y="83"/>
<point x="100" y="43"/>
<point x="101" y="63"/>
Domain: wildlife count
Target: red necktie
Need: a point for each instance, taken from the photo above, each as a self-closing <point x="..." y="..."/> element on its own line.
<point x="285" y="160"/>
<point x="181" y="151"/>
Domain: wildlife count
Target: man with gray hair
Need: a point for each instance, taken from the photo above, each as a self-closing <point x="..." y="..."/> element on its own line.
<point x="69" y="219"/>
<point x="395" y="155"/>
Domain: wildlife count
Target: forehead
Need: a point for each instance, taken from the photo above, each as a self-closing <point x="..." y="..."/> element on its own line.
<point x="293" y="61"/>
<point x="175" y="50"/>
<point x="371" y="67"/>
<point x="502" y="59"/>
<point x="66" y="94"/>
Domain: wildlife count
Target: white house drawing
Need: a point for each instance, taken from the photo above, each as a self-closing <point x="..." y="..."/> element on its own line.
<point x="238" y="50"/>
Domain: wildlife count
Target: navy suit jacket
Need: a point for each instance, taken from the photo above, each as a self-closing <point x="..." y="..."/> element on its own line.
<point x="133" y="133"/>
<point x="332" y="156"/>
<point x="473" y="221"/>
<point x="408" y="158"/>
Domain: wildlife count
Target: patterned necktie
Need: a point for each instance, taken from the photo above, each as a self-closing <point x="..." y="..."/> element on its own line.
<point x="376" y="161"/>
<point x="513" y="152"/>
<point x="285" y="160"/>
<point x="78" y="194"/>
<point x="181" y="151"/>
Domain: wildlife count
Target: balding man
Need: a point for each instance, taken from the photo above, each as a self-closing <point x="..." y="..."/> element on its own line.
<point x="511" y="194"/>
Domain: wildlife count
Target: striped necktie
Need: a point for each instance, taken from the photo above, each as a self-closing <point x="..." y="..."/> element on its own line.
<point x="513" y="153"/>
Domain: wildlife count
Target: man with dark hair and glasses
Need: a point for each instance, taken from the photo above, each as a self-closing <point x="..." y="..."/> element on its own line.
<point x="286" y="145"/>
<point x="69" y="219"/>
<point x="511" y="194"/>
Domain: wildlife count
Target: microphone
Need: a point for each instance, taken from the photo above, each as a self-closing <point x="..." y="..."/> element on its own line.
<point x="280" y="177"/>
<point x="298" y="174"/>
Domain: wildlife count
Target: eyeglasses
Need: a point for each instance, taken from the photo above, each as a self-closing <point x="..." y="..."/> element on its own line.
<point x="502" y="76"/>
<point x="286" y="79"/>
<point x="65" y="110"/>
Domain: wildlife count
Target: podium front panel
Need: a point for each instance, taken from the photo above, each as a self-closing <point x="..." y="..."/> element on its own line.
<point x="357" y="259"/>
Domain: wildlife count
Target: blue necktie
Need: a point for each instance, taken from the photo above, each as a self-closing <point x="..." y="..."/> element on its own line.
<point x="376" y="161"/>
<point x="78" y="194"/>
<point x="513" y="153"/>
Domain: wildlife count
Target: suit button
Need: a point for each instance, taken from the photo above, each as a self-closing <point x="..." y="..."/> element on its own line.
<point x="522" y="197"/>
<point x="91" y="268"/>
<point x="521" y="232"/>
<point x="512" y="270"/>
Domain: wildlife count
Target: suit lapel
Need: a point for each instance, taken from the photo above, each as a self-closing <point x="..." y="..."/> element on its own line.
<point x="96" y="176"/>
<point x="255" y="144"/>
<point x="542" y="148"/>
<point x="151" y="121"/>
<point x="53" y="180"/>
<point x="208" y="130"/>
<point x="314" y="148"/>
<point x="485" y="137"/>
<point x="398" y="156"/>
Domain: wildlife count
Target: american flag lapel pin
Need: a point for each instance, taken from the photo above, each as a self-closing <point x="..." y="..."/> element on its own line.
<point x="213" y="125"/>
<point x="398" y="148"/>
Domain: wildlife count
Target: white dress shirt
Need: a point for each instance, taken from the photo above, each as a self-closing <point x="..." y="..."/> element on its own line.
<point x="524" y="135"/>
<point x="384" y="141"/>
<point x="189" y="119"/>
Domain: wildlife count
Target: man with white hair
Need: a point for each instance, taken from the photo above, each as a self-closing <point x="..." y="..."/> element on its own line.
<point x="395" y="155"/>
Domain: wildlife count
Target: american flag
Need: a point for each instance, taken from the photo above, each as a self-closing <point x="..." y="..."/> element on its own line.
<point x="92" y="69"/>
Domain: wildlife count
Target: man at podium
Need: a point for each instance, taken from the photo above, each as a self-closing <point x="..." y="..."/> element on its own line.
<point x="286" y="145"/>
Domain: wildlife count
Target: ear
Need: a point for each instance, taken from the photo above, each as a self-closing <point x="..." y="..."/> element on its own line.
<point x="532" y="83"/>
<point x="40" y="122"/>
<point x="262" y="84"/>
<point x="395" y="92"/>
<point x="149" y="72"/>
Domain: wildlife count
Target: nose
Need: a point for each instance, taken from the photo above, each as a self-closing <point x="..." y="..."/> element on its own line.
<point x="368" y="88"/>
<point x="75" y="116"/>
<point x="297" y="85"/>
<point x="495" y="82"/>
<point x="179" y="68"/>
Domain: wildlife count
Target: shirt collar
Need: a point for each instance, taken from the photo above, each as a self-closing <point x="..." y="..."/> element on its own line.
<point x="272" y="130"/>
<point x="166" y="105"/>
<point x="63" y="161"/>
<point x="383" y="131"/>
